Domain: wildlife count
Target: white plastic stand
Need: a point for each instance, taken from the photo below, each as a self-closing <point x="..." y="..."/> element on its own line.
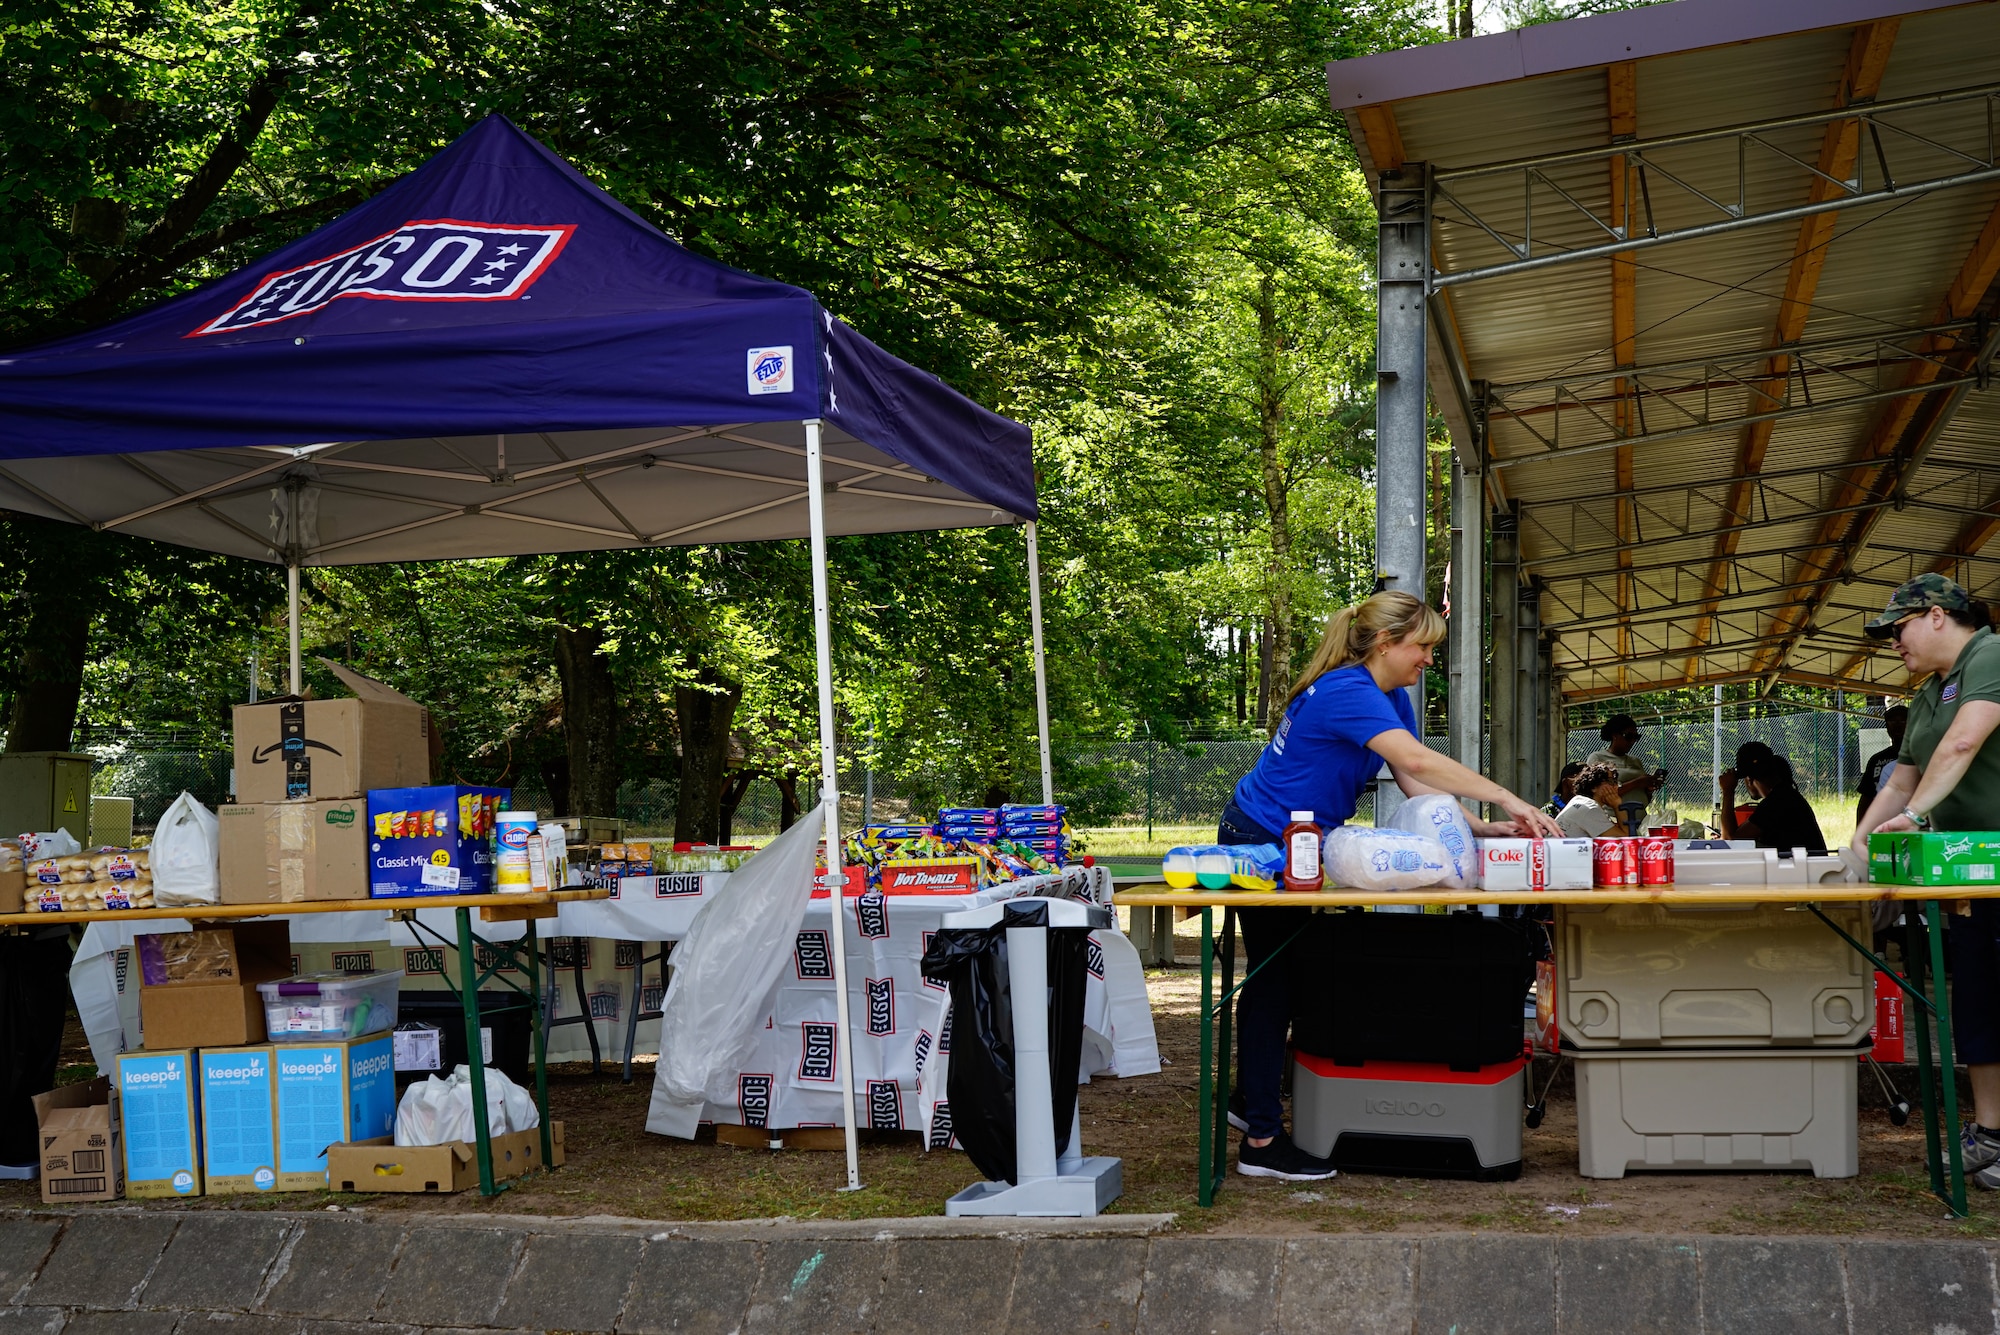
<point x="1073" y="1186"/>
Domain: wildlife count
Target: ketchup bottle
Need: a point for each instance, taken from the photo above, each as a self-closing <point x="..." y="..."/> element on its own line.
<point x="1301" y="841"/>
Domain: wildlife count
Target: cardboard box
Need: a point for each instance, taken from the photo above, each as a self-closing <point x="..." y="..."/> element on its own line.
<point x="330" y="1094"/>
<point x="290" y="749"/>
<point x="83" y="1157"/>
<point x="1934" y="857"/>
<point x="207" y="955"/>
<point x="239" y="1119"/>
<point x="434" y="840"/>
<point x="382" y="1165"/>
<point x="159" y="1104"/>
<point x="1534" y="864"/>
<point x="292" y="852"/>
<point x="1886" y="1038"/>
<point x="13" y="890"/>
<point x="227" y="1014"/>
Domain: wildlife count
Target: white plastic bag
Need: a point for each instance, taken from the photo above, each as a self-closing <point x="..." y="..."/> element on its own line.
<point x="183" y="855"/>
<point x="1443" y="819"/>
<point x="49" y="844"/>
<point x="725" y="976"/>
<point x="438" y="1112"/>
<point x="1361" y="858"/>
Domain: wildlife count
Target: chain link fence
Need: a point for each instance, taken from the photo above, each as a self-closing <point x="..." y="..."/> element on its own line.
<point x="1138" y="783"/>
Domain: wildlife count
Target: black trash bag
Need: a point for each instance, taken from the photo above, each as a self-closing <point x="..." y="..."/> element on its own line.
<point x="972" y="962"/>
<point x="34" y="1000"/>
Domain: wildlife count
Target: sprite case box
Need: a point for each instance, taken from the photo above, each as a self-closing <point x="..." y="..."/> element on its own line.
<point x="1935" y="857"/>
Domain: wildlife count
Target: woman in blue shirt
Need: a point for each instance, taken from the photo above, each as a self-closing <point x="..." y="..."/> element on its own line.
<point x="1347" y="716"/>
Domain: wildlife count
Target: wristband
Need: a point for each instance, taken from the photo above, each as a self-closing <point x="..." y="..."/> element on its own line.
<point x="1921" y="822"/>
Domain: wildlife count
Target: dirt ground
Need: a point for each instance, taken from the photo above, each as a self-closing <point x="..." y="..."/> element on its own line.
<point x="615" y="1168"/>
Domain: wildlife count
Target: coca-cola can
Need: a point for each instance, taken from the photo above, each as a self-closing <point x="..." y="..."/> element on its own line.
<point x="1656" y="862"/>
<point x="1607" y="863"/>
<point x="1631" y="845"/>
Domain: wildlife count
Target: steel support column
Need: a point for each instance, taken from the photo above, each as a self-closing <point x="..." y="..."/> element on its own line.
<point x="1468" y="615"/>
<point x="1402" y="415"/>
<point x="1531" y="712"/>
<point x="1504" y="609"/>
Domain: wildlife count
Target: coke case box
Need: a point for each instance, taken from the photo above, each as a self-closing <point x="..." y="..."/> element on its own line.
<point x="1887" y="1033"/>
<point x="436" y="840"/>
<point x="1534" y="864"/>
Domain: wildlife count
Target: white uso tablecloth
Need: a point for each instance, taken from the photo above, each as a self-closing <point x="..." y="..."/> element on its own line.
<point x="894" y="1011"/>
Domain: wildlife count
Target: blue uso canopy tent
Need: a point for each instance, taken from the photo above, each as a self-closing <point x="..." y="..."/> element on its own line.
<point x="493" y="357"/>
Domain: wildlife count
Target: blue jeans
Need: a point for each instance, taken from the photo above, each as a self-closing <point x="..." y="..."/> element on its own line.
<point x="1264" y="1006"/>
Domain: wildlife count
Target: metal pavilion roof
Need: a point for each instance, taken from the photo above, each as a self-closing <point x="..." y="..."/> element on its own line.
<point x="1713" y="287"/>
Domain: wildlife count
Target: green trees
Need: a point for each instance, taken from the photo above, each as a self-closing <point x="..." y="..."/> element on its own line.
<point x="1134" y="225"/>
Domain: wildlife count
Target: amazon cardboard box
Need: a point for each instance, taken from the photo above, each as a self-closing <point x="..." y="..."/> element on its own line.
<point x="290" y="749"/>
<point x="82" y="1157"/>
<point x="291" y="852"/>
<point x="216" y="1012"/>
<point x="382" y="1165"/>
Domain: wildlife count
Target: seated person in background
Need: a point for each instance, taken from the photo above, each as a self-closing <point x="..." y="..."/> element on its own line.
<point x="1894" y="719"/>
<point x="1747" y="757"/>
<point x="1783" y="818"/>
<point x="1565" y="787"/>
<point x="1636" y="783"/>
<point x="1594" y="810"/>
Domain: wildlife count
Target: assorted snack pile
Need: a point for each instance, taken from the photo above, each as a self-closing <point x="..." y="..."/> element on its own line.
<point x="1007" y="843"/>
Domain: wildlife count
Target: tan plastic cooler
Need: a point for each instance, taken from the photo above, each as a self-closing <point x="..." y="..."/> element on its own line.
<point x="1743" y="1109"/>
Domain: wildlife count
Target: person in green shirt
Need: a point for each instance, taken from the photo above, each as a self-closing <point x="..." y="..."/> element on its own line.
<point x="1947" y="777"/>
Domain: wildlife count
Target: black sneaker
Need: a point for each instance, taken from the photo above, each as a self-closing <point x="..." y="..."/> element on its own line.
<point x="1239" y="1109"/>
<point x="1281" y="1159"/>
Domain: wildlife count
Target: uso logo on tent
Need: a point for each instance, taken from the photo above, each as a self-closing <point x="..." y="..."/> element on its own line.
<point x="437" y="260"/>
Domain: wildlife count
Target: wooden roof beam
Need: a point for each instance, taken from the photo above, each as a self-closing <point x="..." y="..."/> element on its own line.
<point x="1867" y="60"/>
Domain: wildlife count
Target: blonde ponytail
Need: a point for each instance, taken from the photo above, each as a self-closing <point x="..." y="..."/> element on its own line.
<point x="1352" y="633"/>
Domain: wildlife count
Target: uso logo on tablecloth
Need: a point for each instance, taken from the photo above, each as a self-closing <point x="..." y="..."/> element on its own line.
<point x="885" y="1105"/>
<point x="818" y="1041"/>
<point x="944" y="1035"/>
<point x="941" y="1126"/>
<point x="676" y="885"/>
<point x="923" y="1049"/>
<point x="1093" y="958"/>
<point x="753" y="1099"/>
<point x="871" y="915"/>
<point x="433" y="260"/>
<point x="881" y="1005"/>
<point x="812" y="956"/>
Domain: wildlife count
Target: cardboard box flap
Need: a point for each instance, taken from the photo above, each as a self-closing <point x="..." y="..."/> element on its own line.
<point x="56" y="1102"/>
<point x="367" y="688"/>
<point x="59" y="1120"/>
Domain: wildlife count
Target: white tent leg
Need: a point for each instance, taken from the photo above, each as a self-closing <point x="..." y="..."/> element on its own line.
<point x="1041" y="665"/>
<point x="292" y="624"/>
<point x="829" y="792"/>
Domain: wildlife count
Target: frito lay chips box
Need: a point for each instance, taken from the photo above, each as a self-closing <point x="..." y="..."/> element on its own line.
<point x="328" y="1094"/>
<point x="1534" y="864"/>
<point x="159" y="1102"/>
<point x="436" y="840"/>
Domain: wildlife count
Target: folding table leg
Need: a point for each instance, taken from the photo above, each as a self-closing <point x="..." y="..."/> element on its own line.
<point x="1205" y="1097"/>
<point x="1927" y="1093"/>
<point x="1225" y="1050"/>
<point x="475" y="1058"/>
<point x="1947" y="1070"/>
<point x="541" y="1034"/>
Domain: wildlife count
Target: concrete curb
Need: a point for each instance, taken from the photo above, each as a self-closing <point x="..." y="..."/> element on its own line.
<point x="383" y="1272"/>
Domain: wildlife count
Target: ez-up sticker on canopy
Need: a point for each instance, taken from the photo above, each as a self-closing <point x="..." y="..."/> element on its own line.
<point x="437" y="260"/>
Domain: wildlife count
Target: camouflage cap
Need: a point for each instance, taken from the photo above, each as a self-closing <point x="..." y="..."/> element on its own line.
<point x="1919" y="595"/>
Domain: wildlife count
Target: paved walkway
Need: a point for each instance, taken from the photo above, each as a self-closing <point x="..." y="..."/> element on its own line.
<point x="149" y="1272"/>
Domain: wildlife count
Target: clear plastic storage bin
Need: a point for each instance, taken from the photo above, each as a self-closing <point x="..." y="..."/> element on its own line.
<point x="319" y="1007"/>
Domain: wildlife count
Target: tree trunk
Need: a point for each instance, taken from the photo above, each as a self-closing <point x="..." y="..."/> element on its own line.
<point x="734" y="790"/>
<point x="590" y="722"/>
<point x="63" y="591"/>
<point x="555" y="778"/>
<point x="1277" y="493"/>
<point x="1465" y="18"/>
<point x="788" y="799"/>
<point x="705" y="717"/>
<point x="1264" y="675"/>
<point x="1239" y="667"/>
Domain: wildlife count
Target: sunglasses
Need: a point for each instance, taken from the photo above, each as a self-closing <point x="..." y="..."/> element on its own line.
<point x="1904" y="623"/>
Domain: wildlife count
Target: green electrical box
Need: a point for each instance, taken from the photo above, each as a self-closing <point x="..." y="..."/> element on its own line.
<point x="45" y="790"/>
